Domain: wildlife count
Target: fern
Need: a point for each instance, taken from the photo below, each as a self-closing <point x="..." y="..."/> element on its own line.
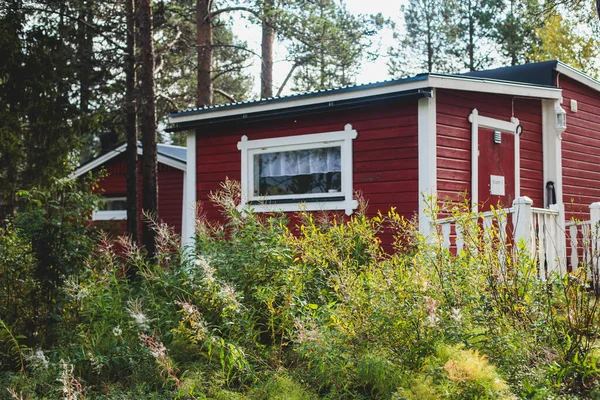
<point x="10" y="342"/>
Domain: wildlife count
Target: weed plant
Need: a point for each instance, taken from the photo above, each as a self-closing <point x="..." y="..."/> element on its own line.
<point x="259" y="308"/>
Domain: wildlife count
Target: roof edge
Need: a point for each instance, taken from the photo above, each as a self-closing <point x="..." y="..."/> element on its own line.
<point x="103" y="158"/>
<point x="577" y="75"/>
<point x="178" y="121"/>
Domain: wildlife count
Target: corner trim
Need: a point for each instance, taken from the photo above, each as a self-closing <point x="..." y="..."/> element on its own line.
<point x="427" y="155"/>
<point x="188" y="217"/>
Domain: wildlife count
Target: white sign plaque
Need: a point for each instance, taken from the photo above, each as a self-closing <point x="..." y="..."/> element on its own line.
<point x="496" y="185"/>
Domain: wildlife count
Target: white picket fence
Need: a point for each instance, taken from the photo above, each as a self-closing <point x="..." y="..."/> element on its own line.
<point x="538" y="228"/>
<point x="583" y="243"/>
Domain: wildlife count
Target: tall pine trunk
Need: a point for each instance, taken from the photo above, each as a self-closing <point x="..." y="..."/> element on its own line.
<point x="148" y="123"/>
<point x="268" y="35"/>
<point x="131" y="127"/>
<point x="205" y="52"/>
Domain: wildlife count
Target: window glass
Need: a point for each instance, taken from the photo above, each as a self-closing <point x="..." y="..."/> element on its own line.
<point x="298" y="172"/>
<point x="112" y="204"/>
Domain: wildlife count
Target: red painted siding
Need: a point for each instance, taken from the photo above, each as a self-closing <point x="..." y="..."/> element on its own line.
<point x="454" y="140"/>
<point x="580" y="149"/>
<point x="170" y="190"/>
<point x="385" y="152"/>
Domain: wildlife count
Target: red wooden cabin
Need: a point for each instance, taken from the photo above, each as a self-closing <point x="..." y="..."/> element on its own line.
<point x="495" y="136"/>
<point x="171" y="177"/>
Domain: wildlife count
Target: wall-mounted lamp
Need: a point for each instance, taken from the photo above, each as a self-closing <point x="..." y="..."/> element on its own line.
<point x="561" y="118"/>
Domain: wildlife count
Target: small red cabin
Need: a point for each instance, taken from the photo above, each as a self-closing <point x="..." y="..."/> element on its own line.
<point x="529" y="133"/>
<point x="171" y="178"/>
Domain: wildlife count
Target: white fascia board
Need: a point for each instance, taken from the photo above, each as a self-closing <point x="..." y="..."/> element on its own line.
<point x="442" y="82"/>
<point x="115" y="152"/>
<point x="99" y="161"/>
<point x="495" y="87"/>
<point x="325" y="98"/>
<point x="577" y="76"/>
<point x="170" y="162"/>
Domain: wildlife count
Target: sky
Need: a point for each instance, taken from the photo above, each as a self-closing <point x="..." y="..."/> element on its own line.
<point x="370" y="72"/>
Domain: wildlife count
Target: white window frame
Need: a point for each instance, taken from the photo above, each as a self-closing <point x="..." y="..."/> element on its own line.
<point x="342" y="139"/>
<point x="110" y="215"/>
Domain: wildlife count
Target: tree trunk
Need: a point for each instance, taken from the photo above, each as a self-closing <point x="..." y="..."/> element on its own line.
<point x="268" y="35"/>
<point x="205" y="52"/>
<point x="471" y="38"/>
<point x="131" y="127"/>
<point x="148" y="124"/>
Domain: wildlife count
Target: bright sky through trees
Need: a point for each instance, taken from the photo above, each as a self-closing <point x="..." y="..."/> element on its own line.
<point x="370" y="71"/>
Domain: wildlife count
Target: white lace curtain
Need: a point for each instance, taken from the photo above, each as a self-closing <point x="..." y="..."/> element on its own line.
<point x="300" y="162"/>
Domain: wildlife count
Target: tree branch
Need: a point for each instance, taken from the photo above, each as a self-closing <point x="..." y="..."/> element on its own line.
<point x="288" y="76"/>
<point x="235" y="46"/>
<point x="237" y="68"/>
<point x="226" y="95"/>
<point x="230" y="9"/>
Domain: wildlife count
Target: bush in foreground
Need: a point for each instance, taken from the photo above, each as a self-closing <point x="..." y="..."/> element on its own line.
<point x="254" y="311"/>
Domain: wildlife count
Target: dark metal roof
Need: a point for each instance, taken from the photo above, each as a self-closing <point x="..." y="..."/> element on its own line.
<point x="306" y="95"/>
<point x="540" y="73"/>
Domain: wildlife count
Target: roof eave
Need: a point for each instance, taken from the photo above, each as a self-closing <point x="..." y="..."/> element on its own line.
<point x="577" y="75"/>
<point x="189" y="120"/>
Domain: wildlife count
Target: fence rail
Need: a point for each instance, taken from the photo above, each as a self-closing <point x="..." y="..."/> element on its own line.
<point x="539" y="228"/>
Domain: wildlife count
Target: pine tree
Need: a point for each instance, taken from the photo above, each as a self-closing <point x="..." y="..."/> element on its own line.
<point x="515" y="33"/>
<point x="425" y="44"/>
<point x="472" y="32"/>
<point x="148" y="123"/>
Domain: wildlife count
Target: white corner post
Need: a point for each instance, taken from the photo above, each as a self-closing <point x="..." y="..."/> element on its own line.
<point x="594" y="273"/>
<point x="188" y="218"/>
<point x="427" y="162"/>
<point x="552" y="172"/>
<point x="523" y="222"/>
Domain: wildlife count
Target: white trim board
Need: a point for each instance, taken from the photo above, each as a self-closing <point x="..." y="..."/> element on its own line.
<point x="578" y="76"/>
<point x="427" y="142"/>
<point x="342" y="139"/>
<point x="188" y="217"/>
<point x="121" y="149"/>
<point x="431" y="81"/>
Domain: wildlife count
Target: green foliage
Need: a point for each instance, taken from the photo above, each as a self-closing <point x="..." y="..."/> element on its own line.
<point x="326" y="42"/>
<point x="561" y="39"/>
<point x="258" y="309"/>
<point x="55" y="224"/>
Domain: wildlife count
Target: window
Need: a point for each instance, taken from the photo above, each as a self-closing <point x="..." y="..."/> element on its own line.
<point x="311" y="172"/>
<point x="111" y="208"/>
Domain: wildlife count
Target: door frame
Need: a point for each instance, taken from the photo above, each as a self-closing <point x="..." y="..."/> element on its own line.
<point x="477" y="121"/>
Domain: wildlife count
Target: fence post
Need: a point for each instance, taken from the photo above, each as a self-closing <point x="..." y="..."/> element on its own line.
<point x="522" y="222"/>
<point x="594" y="242"/>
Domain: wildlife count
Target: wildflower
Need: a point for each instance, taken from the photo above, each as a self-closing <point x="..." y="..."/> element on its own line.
<point x="431" y="307"/>
<point x="307" y="334"/>
<point x="456" y="314"/>
<point x="157" y="348"/>
<point x="117" y="331"/>
<point x="137" y="314"/>
<point x="71" y="388"/>
<point x="228" y="294"/>
<point x="38" y="359"/>
<point x="208" y="271"/>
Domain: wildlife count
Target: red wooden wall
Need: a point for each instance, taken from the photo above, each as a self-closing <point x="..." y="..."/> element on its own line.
<point x="580" y="149"/>
<point x="170" y="191"/>
<point x="385" y="152"/>
<point x="454" y="140"/>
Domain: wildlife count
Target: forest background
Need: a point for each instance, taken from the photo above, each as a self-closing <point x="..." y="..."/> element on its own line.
<point x="254" y="311"/>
